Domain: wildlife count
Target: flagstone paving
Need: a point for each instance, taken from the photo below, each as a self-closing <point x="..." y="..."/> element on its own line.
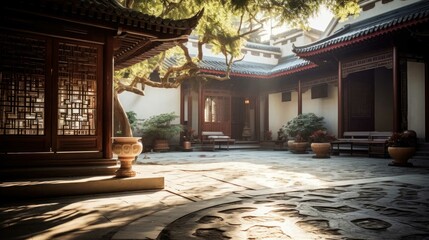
<point x="241" y="195"/>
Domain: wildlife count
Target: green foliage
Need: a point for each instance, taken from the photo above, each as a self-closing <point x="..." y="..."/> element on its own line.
<point x="132" y="118"/>
<point x="160" y="127"/>
<point x="226" y="24"/>
<point x="303" y="125"/>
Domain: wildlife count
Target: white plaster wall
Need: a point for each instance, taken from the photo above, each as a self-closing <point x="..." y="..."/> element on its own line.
<point x="416" y="98"/>
<point x="301" y="39"/>
<point x="155" y="101"/>
<point x="279" y="113"/>
<point x="323" y="107"/>
<point x="379" y="8"/>
<point x="257" y="58"/>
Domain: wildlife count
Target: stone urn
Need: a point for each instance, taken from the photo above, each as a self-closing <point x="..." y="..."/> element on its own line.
<point x="127" y="149"/>
<point x="401" y="155"/>
<point x="322" y="150"/>
<point x="299" y="147"/>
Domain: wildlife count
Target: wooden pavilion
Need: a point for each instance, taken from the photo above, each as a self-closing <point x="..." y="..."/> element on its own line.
<point x="378" y="66"/>
<point x="57" y="61"/>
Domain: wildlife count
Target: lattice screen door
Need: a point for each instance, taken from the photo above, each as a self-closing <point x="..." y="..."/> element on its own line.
<point x="49" y="95"/>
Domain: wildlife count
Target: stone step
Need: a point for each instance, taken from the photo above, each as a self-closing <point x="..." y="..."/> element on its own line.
<point x="53" y="172"/>
<point x="42" y="188"/>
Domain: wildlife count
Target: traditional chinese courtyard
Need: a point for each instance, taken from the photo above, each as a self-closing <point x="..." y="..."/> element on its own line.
<point x="241" y="194"/>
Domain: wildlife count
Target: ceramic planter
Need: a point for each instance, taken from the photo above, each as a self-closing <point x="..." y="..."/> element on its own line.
<point x="401" y="155"/>
<point x="161" y="145"/>
<point x="290" y="145"/>
<point x="300" y="147"/>
<point x="187" y="146"/>
<point x="322" y="150"/>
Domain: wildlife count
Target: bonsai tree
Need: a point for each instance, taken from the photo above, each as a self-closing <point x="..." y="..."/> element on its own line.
<point x="159" y="127"/>
<point x="303" y="125"/>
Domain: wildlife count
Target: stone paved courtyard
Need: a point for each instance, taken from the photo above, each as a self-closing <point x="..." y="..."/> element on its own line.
<point x="241" y="195"/>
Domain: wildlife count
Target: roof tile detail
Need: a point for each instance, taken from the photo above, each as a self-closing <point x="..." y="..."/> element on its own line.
<point x="368" y="28"/>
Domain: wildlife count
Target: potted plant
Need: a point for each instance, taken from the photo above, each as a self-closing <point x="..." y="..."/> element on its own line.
<point x="281" y="139"/>
<point x="321" y="143"/>
<point x="188" y="138"/>
<point x="300" y="128"/>
<point x="159" y="130"/>
<point x="401" y="147"/>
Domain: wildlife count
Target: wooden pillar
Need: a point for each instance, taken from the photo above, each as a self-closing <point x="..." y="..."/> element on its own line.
<point x="299" y="97"/>
<point x="266" y="113"/>
<point x="189" y="106"/>
<point x="258" y="117"/>
<point x="107" y="114"/>
<point x="340" y="101"/>
<point x="182" y="104"/>
<point x="396" y="95"/>
<point x="427" y="100"/>
<point x="200" y="109"/>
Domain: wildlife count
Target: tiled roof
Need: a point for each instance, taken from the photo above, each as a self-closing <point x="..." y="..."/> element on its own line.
<point x="140" y="32"/>
<point x="255" y="70"/>
<point x="263" y="47"/>
<point x="369" y="28"/>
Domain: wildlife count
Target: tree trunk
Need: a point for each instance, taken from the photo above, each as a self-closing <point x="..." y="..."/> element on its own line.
<point x="122" y="127"/>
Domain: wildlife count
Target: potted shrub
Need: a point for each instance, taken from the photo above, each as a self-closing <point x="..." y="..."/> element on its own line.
<point x="321" y="143"/>
<point x="159" y="130"/>
<point x="401" y="147"/>
<point x="281" y="139"/>
<point x="300" y="128"/>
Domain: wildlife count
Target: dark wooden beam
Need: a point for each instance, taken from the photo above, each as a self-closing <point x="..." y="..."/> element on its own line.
<point x="427" y="99"/>
<point x="340" y="101"/>
<point x="396" y="96"/>
<point x="299" y="97"/>
<point x="108" y="98"/>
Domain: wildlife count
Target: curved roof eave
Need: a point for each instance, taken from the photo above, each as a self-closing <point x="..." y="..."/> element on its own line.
<point x="143" y="35"/>
<point x="367" y="29"/>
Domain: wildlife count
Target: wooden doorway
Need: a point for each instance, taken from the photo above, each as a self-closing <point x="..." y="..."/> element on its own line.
<point x="359" y="101"/>
<point x="50" y="97"/>
<point x="216" y="112"/>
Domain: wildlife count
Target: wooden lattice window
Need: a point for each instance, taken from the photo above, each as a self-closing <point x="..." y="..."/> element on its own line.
<point x="319" y="91"/>
<point x="77" y="89"/>
<point x="22" y="85"/>
<point x="286" y="96"/>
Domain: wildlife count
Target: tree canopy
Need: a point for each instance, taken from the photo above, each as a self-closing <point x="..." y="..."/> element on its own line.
<point x="226" y="25"/>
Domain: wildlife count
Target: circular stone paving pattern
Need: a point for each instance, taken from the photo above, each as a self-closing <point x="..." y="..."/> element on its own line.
<point x="349" y="212"/>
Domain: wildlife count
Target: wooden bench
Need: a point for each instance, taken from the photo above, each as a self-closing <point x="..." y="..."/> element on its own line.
<point x="210" y="139"/>
<point x="374" y="143"/>
<point x="378" y="144"/>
